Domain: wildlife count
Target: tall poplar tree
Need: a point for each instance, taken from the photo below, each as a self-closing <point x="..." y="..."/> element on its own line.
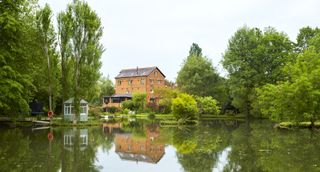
<point x="85" y="48"/>
<point x="47" y="81"/>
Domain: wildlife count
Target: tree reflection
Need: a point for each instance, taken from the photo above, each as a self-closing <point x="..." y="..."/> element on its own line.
<point x="198" y="148"/>
<point x="210" y="146"/>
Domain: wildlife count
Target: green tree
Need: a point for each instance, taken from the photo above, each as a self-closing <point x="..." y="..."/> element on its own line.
<point x="254" y="58"/>
<point x="195" y="50"/>
<point x="298" y="98"/>
<point x="184" y="107"/>
<point x="85" y="48"/>
<point x="139" y="100"/>
<point x="47" y="80"/>
<point x="304" y="36"/>
<point x="64" y="36"/>
<point x="166" y="95"/>
<point x="197" y="75"/>
<point x="17" y="62"/>
<point x="106" y="86"/>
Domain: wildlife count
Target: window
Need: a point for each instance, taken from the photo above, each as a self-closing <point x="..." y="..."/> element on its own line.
<point x="142" y="81"/>
<point x="155" y="73"/>
<point x="119" y="82"/>
<point x="151" y="81"/>
<point x="130" y="81"/>
<point x="159" y="81"/>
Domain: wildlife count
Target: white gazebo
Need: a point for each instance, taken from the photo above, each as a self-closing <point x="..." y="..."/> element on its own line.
<point x="69" y="111"/>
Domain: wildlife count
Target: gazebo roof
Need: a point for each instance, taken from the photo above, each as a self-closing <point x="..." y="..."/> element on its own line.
<point x="70" y="101"/>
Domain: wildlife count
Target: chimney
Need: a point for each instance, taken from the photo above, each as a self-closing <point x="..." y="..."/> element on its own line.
<point x="137" y="70"/>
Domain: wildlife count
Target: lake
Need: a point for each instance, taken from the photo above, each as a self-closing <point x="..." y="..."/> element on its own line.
<point x="144" y="146"/>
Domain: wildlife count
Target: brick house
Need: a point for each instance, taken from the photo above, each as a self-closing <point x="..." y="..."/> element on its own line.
<point x="137" y="80"/>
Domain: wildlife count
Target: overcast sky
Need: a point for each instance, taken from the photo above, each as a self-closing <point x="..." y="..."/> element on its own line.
<point x="160" y="32"/>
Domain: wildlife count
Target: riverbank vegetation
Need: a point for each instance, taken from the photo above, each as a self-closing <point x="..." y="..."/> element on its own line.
<point x="268" y="75"/>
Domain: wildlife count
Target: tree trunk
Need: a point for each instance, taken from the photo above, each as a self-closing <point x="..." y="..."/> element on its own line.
<point x="76" y="93"/>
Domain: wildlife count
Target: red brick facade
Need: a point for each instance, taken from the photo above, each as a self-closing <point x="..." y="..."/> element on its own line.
<point x="141" y="84"/>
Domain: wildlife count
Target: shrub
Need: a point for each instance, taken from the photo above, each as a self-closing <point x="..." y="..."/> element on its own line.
<point x="184" y="106"/>
<point x="128" y="104"/>
<point x="112" y="109"/>
<point x="166" y="95"/>
<point x="208" y="105"/>
<point x="165" y="105"/>
<point x="153" y="107"/>
<point x="126" y="111"/>
<point x="139" y="100"/>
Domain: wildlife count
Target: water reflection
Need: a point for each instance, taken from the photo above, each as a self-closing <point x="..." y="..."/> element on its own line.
<point x="144" y="146"/>
<point x="69" y="137"/>
<point x="145" y="149"/>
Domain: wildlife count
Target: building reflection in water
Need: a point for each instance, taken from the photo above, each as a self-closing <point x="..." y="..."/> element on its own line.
<point x="75" y="136"/>
<point x="143" y="150"/>
<point x="109" y="128"/>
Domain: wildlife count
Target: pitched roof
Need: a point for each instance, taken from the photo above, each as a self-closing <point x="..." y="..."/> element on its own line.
<point x="136" y="72"/>
<point x="70" y="101"/>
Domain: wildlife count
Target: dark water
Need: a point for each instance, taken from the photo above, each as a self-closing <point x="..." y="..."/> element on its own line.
<point x="145" y="146"/>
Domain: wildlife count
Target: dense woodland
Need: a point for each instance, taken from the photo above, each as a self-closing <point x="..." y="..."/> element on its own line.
<point x="39" y="62"/>
<point x="269" y="75"/>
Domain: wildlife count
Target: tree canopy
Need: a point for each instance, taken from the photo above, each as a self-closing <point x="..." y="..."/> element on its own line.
<point x="197" y="76"/>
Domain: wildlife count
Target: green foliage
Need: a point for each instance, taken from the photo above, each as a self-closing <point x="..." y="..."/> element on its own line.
<point x="47" y="76"/>
<point x="208" y="105"/>
<point x="166" y="95"/>
<point x="298" y="98"/>
<point x="184" y="106"/>
<point x="112" y="109"/>
<point x="126" y="111"/>
<point x="106" y="86"/>
<point x="84" y="32"/>
<point x="139" y="101"/>
<point x="17" y="62"/>
<point x="255" y="58"/>
<point x="128" y="104"/>
<point x="198" y="77"/>
<point x="195" y="50"/>
<point x="305" y="35"/>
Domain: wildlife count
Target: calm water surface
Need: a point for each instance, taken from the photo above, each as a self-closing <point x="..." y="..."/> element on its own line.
<point x="145" y="146"/>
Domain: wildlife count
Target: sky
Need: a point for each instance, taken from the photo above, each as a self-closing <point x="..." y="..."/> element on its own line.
<point x="143" y="33"/>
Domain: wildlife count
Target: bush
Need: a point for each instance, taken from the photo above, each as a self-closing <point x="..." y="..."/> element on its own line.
<point x="153" y="107"/>
<point x="139" y="100"/>
<point x="112" y="109"/>
<point x="184" y="106"/>
<point x="166" y="95"/>
<point x="128" y="104"/>
<point x="208" y="105"/>
<point x="125" y="111"/>
<point x="165" y="105"/>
